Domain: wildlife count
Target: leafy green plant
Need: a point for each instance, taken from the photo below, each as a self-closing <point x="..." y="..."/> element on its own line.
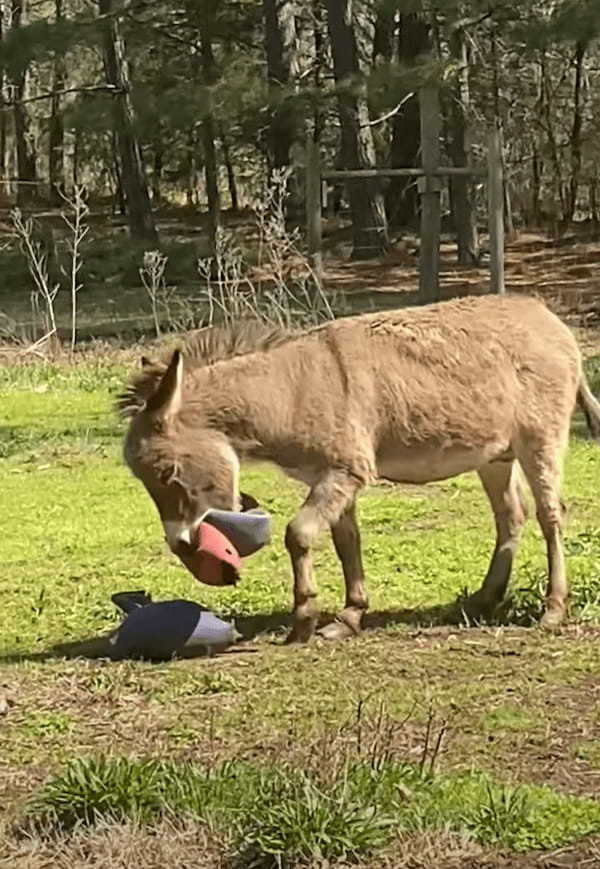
<point x="592" y="370"/>
<point x="502" y="812"/>
<point x="305" y="822"/>
<point x="283" y="814"/>
<point x="115" y="787"/>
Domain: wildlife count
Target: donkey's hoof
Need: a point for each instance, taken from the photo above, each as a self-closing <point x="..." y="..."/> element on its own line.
<point x="552" y="618"/>
<point x="302" y="632"/>
<point x="478" y="608"/>
<point x="336" y="631"/>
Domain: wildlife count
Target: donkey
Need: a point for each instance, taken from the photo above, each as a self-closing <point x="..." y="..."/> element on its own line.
<point x="479" y="384"/>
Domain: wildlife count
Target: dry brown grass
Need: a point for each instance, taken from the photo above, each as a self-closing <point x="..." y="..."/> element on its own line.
<point x="446" y="850"/>
<point x="176" y="844"/>
<point x="118" y="846"/>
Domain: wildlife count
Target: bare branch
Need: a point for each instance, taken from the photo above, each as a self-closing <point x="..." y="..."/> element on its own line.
<point x="152" y="274"/>
<point x="47" y="96"/>
<point x="79" y="210"/>
<point x="37" y="262"/>
<point x="391" y="113"/>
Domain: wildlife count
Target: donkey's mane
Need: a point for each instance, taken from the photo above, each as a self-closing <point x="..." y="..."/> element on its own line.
<point x="217" y="343"/>
<point x="202" y="348"/>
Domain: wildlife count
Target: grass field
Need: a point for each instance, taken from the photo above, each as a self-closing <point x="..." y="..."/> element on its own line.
<point x="421" y="743"/>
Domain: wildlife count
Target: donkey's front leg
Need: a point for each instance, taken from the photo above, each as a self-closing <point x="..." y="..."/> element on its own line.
<point x="327" y="502"/>
<point x="346" y="539"/>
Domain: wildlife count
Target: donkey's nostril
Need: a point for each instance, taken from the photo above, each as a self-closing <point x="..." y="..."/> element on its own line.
<point x="183" y="543"/>
<point x="185" y="537"/>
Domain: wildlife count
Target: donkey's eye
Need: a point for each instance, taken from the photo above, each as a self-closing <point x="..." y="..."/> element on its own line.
<point x="209" y="488"/>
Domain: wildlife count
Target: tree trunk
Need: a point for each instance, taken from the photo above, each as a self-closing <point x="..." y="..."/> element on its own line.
<point x="191" y="167"/>
<point x="548" y="120"/>
<point x="26" y="158"/>
<point x="157" y="172"/>
<point x="56" y="155"/>
<point x="536" y="185"/>
<point x="414" y="40"/>
<point x="75" y="158"/>
<point x="509" y="227"/>
<point x="2" y="111"/>
<point x="139" y="211"/>
<point x="509" y="223"/>
<point x="369" y="225"/>
<point x="463" y="212"/>
<point x="384" y="38"/>
<point x="319" y="34"/>
<point x="211" y="176"/>
<point x="580" y="50"/>
<point x="119" y="196"/>
<point x="231" y="182"/>
<point x="537" y="153"/>
<point x="382" y="52"/>
<point x="594" y="211"/>
<point x="281" y="45"/>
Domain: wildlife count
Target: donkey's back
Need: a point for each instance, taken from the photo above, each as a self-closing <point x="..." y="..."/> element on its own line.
<point x="427" y="393"/>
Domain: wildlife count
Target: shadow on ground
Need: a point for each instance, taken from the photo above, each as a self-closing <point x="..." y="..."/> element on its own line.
<point x="253" y="627"/>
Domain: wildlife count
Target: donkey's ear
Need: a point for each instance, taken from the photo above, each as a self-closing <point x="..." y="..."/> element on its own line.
<point x="166" y="401"/>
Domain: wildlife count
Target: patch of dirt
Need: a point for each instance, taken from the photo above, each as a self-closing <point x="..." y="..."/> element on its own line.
<point x="564" y="270"/>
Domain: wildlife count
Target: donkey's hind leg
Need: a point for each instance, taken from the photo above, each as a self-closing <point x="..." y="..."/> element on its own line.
<point x="346" y="539"/>
<point x="328" y="501"/>
<point x="501" y="484"/>
<point x="542" y="465"/>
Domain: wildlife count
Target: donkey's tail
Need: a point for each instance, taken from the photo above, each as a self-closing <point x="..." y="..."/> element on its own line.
<point x="590" y="407"/>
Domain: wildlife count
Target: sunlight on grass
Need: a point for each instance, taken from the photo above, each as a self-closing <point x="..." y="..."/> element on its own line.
<point x="80" y="528"/>
<point x="291" y="815"/>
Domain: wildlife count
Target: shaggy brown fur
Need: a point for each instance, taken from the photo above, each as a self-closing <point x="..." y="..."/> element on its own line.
<point x="202" y="348"/>
<point x="413" y="395"/>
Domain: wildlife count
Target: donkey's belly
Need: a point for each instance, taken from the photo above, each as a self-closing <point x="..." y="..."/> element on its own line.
<point x="307" y="474"/>
<point x="424" y="464"/>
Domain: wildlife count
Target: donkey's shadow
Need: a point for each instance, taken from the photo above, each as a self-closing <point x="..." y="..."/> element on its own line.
<point x="253" y="627"/>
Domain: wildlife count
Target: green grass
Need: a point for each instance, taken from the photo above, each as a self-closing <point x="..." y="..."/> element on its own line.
<point x="79" y="527"/>
<point x="66" y="481"/>
<point x="290" y="814"/>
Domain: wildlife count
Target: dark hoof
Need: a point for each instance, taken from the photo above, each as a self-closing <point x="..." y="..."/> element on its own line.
<point x="553" y="618"/>
<point x="336" y="631"/>
<point x="478" y="608"/>
<point x="301" y="632"/>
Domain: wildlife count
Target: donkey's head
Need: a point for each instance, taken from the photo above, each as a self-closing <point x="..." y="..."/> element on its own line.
<point x="191" y="473"/>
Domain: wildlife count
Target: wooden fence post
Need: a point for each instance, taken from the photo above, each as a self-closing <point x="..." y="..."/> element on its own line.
<point x="496" y="210"/>
<point x="313" y="204"/>
<point x="430" y="188"/>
